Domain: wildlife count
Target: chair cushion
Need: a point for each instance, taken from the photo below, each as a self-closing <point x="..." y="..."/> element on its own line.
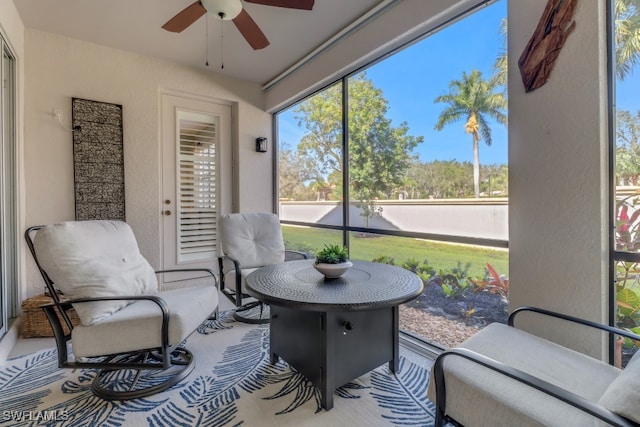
<point x="499" y="400"/>
<point x="88" y="259"/>
<point x="253" y="239"/>
<point x="138" y="325"/>
<point x="623" y="394"/>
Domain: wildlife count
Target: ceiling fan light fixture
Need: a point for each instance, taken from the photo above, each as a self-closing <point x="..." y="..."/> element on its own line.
<point x="229" y="8"/>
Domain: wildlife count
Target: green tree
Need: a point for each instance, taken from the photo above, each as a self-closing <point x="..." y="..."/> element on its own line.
<point x="449" y="179"/>
<point x="474" y="100"/>
<point x="494" y="180"/>
<point x="439" y="179"/>
<point x="379" y="153"/>
<point x="501" y="65"/>
<point x="321" y="116"/>
<point x="627" y="147"/>
<point x="627" y="36"/>
<point x="294" y="176"/>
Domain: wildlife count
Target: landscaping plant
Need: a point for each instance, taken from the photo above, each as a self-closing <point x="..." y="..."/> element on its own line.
<point x="628" y="273"/>
<point x="332" y="254"/>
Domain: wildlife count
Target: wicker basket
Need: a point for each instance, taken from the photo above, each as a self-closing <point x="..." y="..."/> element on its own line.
<point x="35" y="323"/>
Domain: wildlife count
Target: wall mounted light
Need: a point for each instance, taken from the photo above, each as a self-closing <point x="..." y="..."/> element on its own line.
<point x="261" y="145"/>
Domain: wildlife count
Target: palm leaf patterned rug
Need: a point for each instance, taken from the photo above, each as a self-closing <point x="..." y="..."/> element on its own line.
<point x="233" y="384"/>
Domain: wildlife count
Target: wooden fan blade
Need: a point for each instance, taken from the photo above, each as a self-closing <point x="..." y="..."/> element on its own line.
<point x="291" y="4"/>
<point x="250" y="30"/>
<point x="188" y="16"/>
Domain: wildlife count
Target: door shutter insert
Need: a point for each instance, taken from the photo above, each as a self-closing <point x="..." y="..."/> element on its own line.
<point x="198" y="186"/>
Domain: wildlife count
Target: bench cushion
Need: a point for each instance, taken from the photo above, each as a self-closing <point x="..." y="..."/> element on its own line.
<point x="479" y="396"/>
<point x="138" y="325"/>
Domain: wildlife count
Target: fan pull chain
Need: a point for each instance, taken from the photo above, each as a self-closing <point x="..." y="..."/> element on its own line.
<point x="206" y="41"/>
<point x="222" y="15"/>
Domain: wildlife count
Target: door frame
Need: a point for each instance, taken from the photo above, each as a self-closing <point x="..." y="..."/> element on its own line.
<point x="10" y="194"/>
<point x="228" y="160"/>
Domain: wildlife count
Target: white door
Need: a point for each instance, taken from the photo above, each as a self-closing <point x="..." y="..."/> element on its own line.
<point x="196" y="181"/>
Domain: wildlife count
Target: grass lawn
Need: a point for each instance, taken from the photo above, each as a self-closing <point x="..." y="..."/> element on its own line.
<point x="438" y="254"/>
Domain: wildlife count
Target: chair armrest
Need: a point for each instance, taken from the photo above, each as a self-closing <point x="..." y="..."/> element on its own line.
<point x="552" y="390"/>
<point x="290" y="255"/>
<point x="192" y="270"/>
<point x="64" y="305"/>
<point x="584" y="322"/>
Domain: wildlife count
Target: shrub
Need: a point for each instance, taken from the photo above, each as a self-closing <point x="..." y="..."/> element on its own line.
<point x="385" y="260"/>
<point x="493" y="282"/>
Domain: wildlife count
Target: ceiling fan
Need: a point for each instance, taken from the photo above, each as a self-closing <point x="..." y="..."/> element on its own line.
<point x="234" y="11"/>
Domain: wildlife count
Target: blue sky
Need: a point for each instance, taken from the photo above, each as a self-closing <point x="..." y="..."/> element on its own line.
<point x="627" y="91"/>
<point x="412" y="78"/>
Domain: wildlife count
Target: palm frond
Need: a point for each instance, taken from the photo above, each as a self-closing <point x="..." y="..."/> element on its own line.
<point x="25" y="382"/>
<point x="485" y="130"/>
<point x="627" y="36"/>
<point x="404" y="396"/>
<point x="215" y="397"/>
<point x="302" y="391"/>
<point x="224" y="321"/>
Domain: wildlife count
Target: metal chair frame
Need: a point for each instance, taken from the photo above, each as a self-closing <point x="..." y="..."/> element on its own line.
<point x="552" y="390"/>
<point x="238" y="296"/>
<point x="153" y="360"/>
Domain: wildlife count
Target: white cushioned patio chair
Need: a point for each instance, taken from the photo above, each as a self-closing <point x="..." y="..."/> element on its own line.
<point x="249" y="241"/>
<point x="503" y="376"/>
<point x="129" y="330"/>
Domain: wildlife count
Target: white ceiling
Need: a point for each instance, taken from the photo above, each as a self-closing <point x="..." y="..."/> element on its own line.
<point x="135" y="25"/>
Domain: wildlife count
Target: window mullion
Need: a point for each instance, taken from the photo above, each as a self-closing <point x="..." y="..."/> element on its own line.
<point x="345" y="162"/>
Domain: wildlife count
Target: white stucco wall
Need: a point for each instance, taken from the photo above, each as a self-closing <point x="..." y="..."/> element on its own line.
<point x="558" y="162"/>
<point x="12" y="27"/>
<point x="59" y="68"/>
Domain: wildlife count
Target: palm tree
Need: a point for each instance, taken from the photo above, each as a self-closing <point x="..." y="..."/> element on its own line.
<point x="627" y="40"/>
<point x="473" y="99"/>
<point x="501" y="65"/>
<point x="627" y="35"/>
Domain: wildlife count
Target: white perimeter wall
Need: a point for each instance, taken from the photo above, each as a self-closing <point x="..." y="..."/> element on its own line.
<point x="59" y="68"/>
<point x="467" y="219"/>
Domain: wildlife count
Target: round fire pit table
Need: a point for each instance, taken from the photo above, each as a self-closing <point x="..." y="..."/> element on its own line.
<point x="334" y="330"/>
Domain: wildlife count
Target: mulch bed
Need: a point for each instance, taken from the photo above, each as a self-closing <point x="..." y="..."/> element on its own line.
<point x="449" y="320"/>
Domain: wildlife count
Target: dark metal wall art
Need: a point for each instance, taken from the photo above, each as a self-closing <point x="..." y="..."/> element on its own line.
<point x="98" y="160"/>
